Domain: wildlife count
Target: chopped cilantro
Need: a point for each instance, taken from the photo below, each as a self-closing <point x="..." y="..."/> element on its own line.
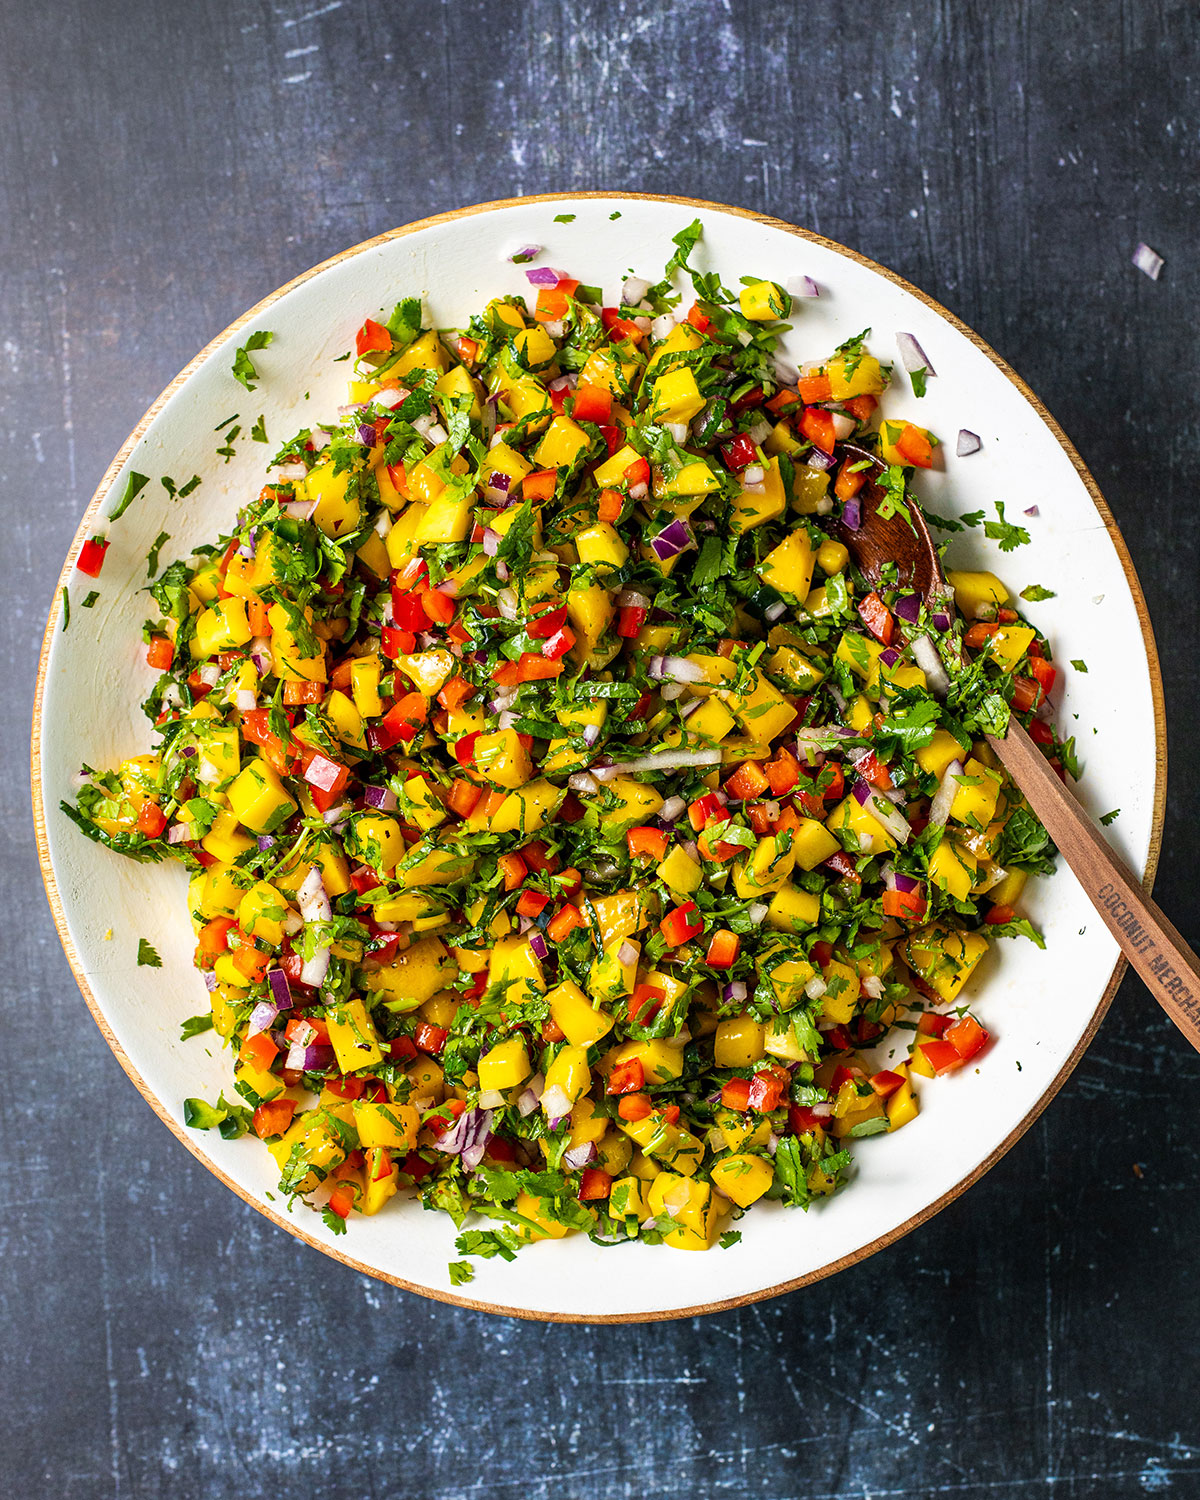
<point x="1080" y="666"/>
<point x="730" y="1238"/>
<point x="66" y="607"/>
<point x="194" y="1026"/>
<point x="243" y="365"/>
<point x="1009" y="536"/>
<point x="89" y="600"/>
<point x="918" y="380"/>
<point x="146" y="955"/>
<point x="134" y="486"/>
<point x="1110" y="817"/>
<point x="258" y="433"/>
<point x="333" y="1221"/>
<point x="1035" y="593"/>
<point x="564" y="218"/>
<point x="156" y="547"/>
<point x="461" y="1271"/>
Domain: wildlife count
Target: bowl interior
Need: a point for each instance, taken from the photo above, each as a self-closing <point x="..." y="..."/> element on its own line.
<point x="1040" y="1006"/>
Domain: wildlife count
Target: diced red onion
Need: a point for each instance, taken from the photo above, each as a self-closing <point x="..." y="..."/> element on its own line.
<point x="968" y="442"/>
<point x="543" y="276"/>
<point x="912" y="356"/>
<point x="802" y="286"/>
<point x="735" y="990"/>
<point x="605" y="773"/>
<point x="786" y="373"/>
<point x="883" y="812"/>
<point x="759" y="433"/>
<point x="312" y="898"/>
<point x="281" y="990"/>
<point x="591" y="733"/>
<point x="245" y="700"/>
<point x="757" y="913"/>
<point x="314" y="971"/>
<point x="775" y="611"/>
<point x="939" y="808"/>
<point x="530" y="1096"/>
<point x="210" y="981"/>
<point x="687" y="708"/>
<point x="580" y="1156"/>
<point x="815" y="987"/>
<point x="209" y="673"/>
<point x="634" y="289"/>
<point x="491" y="1099"/>
<point x="925" y="654"/>
<point x="538" y="947"/>
<point x="1148" y="261"/>
<point x="908" y="607"/>
<point x="641" y="323"/>
<point x="843" y="425"/>
<point x="524" y="253"/>
<point x="262" y="656"/>
<point x="555" y="1104"/>
<point x="1032" y="511"/>
<point x="672" y="810"/>
<point x="889" y="657"/>
<point x="628" y="952"/>
<point x="818" y="460"/>
<point x="852" y="514"/>
<point x="754" y="474"/>
<point x="181" y="833"/>
<point x="391" y="398"/>
<point x="381" y="798"/>
<point x="321" y="440"/>
<point x="299" y="510"/>
<point x="291" y="471"/>
<point x="661" y="326"/>
<point x="677" y="430"/>
<point x="674" y="538"/>
<point x="753" y="489"/>
<point x="676" y="669"/>
<point x="468" y="1137"/>
<point x="311" y="1057"/>
<point x="584" y="783"/>
<point x="262" y="1018"/>
<point x="490" y="541"/>
<point x="673" y="760"/>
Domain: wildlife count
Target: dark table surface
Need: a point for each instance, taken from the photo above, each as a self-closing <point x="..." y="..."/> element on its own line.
<point x="166" y="163"/>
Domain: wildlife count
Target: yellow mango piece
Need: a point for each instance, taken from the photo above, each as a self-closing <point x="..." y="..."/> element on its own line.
<point x="602" y="547"/>
<point x="619" y="915"/>
<point x="854" y="375"/>
<point x="505" y="1065"/>
<point x="859" y="832"/>
<point x="944" y="957"/>
<point x="676" y="397"/>
<point x="1008" y="891"/>
<point x="353" y="1036"/>
<point x="1010" y="643"/>
<point x="636" y="802"/>
<point x="976" y="805"/>
<point x="527" y="809"/>
<point x="427" y="670"/>
<point x="793" y="910"/>
<point x="738" y="1042"/>
<point x="545" y="1228"/>
<point x="679" y="870"/>
<point x="336" y="512"/>
<point x="743" y="1178"/>
<point x="764" y="301"/>
<point x="225" y="840"/>
<point x="378" y="841"/>
<point x="812" y="844"/>
<point x="684" y="1211"/>
<point x="414" y="975"/>
<point x="258" y="800"/>
<point x="514" y="964"/>
<point x="590" y="611"/>
<point x="446" y="519"/>
<point x="974" y="592"/>
<point x="576" y="1017"/>
<point x="942" y="749"/>
<point x="953" y="869"/>
<point x="681" y="338"/>
<point x="500" y="757"/>
<point x="365" y="675"/>
<point x="569" y="1072"/>
<point x="261" y="912"/>
<point x="424" y="353"/>
<point x="789" y="566"/>
<point x="394" y="1126"/>
<point x="561" y="444"/>
<point x="221" y="627"/>
<point x="750" y="510"/>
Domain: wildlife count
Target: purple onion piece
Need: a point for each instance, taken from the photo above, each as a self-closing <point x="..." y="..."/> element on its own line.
<point x="941" y="620"/>
<point x="908" y="607"/>
<point x="1032" y="511"/>
<point x="524" y="253"/>
<point x="537" y="944"/>
<point x="673" y="539"/>
<point x="210" y="981"/>
<point x="968" y="442"/>
<point x="818" y="460"/>
<point x="262" y="1018"/>
<point x="543" y="276"/>
<point x="907" y="885"/>
<point x="366" y="434"/>
<point x="281" y="990"/>
<point x="890" y="657"/>
<point x="382" y="798"/>
<point x="862" y="793"/>
<point x="265" y="841"/>
<point x="852" y="515"/>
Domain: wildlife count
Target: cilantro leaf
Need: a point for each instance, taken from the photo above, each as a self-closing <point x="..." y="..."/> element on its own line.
<point x="155" y="548"/>
<point x="243" y="366"/>
<point x="134" y="486"/>
<point x="194" y="1026"/>
<point x="1035" y="593"/>
<point x="729" y="1238"/>
<point x="147" y="957"/>
<point x="1110" y="817"/>
<point x="461" y="1271"/>
<point x="333" y="1221"/>
<point x="66" y="604"/>
<point x="918" y="380"/>
<point x="90" y="600"/>
<point x="564" y="218"/>
<point x="1080" y="666"/>
<point x="1008" y="535"/>
<point x="258" y="433"/>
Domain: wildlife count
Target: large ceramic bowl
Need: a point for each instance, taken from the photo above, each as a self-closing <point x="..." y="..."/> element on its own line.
<point x="1041" y="1007"/>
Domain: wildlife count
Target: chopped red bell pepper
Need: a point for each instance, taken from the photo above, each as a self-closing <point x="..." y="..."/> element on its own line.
<point x="736" y="1094"/>
<point x="723" y="949"/>
<point x="681" y="925"/>
<point x="650" y="841"/>
<point x="160" y="653"/>
<point x="877" y="617"/>
<point x="372" y="336"/>
<point x="91" y="556"/>
<point x="593" y="403"/>
<point x="767" y="1090"/>
<point x="627" y="1077"/>
<point x="816" y="425"/>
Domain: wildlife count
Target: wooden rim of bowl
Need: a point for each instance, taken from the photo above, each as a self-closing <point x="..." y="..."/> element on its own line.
<point x="883" y="1241"/>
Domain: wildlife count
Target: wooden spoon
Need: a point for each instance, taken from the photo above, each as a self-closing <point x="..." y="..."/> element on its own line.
<point x="1151" y="944"/>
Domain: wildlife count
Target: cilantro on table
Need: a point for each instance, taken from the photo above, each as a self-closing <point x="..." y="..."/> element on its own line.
<point x="1005" y="532"/>
<point x="147" y="956"/>
<point x="1035" y="593"/>
<point x="134" y="486"/>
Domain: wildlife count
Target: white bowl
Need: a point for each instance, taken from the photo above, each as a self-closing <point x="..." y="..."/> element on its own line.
<point x="1042" y="1008"/>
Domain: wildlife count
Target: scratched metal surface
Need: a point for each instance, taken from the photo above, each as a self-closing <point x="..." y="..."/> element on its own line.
<point x="163" y="164"/>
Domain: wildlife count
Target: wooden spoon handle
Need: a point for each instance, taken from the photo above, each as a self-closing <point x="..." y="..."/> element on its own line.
<point x="1152" y="945"/>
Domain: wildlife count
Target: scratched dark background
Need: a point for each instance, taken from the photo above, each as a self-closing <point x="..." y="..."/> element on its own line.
<point x="166" y="163"/>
